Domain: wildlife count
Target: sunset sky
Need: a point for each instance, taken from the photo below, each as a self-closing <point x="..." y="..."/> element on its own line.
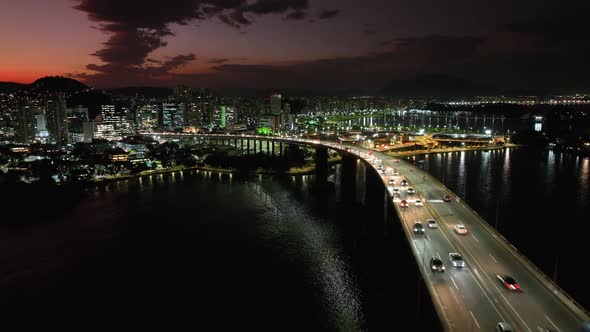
<point x="344" y="44"/>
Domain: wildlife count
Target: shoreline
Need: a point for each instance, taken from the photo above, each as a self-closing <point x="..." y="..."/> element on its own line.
<point x="448" y="150"/>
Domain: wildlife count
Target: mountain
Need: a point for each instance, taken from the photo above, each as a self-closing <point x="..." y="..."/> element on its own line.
<point x="10" y="87"/>
<point x="55" y="84"/>
<point x="146" y="91"/>
<point x="433" y="86"/>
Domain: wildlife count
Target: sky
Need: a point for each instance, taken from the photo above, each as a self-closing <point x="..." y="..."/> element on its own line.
<point x="304" y="44"/>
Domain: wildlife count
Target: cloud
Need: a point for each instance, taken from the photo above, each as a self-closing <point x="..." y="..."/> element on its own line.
<point x="276" y="6"/>
<point x="327" y="13"/>
<point x="296" y="16"/>
<point x="136" y="28"/>
<point x="217" y="60"/>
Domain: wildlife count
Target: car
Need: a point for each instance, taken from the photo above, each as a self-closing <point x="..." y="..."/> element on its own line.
<point x="383" y="171"/>
<point x="403" y="203"/>
<point x="394" y="172"/>
<point x="456" y="260"/>
<point x="461" y="230"/>
<point x="404" y="182"/>
<point x="391" y="181"/>
<point x="395" y="191"/>
<point x="436" y="265"/>
<point x="504" y="327"/>
<point x="431" y="223"/>
<point x="396" y="161"/>
<point x="508" y="282"/>
<point x="447" y="198"/>
<point x="411" y="191"/>
<point x="418" y="203"/>
<point x="418" y="228"/>
<point x="379" y="167"/>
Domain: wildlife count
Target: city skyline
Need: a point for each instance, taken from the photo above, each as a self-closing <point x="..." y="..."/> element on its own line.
<point x="295" y="44"/>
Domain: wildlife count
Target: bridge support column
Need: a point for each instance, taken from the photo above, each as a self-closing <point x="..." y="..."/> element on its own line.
<point x="281" y="149"/>
<point x="273" y="148"/>
<point x="248" y="146"/>
<point x="321" y="166"/>
<point x="376" y="200"/>
<point x="260" y="147"/>
<point x="348" y="180"/>
<point x="255" y="146"/>
<point x="268" y="147"/>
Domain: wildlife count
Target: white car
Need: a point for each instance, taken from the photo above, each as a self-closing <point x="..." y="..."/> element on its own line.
<point x="456" y="260"/>
<point x="431" y="223"/>
<point x="461" y="230"/>
<point x="411" y="191"/>
<point x="418" y="203"/>
<point x="391" y="181"/>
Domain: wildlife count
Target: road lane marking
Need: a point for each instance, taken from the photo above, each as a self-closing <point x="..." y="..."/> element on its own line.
<point x="475" y="237"/>
<point x="550" y="321"/>
<point x="493" y="258"/>
<point x="474" y="278"/>
<point x="475" y="320"/>
<point x="454" y="283"/>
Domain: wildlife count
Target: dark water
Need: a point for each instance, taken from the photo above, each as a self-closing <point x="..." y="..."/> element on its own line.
<point x="191" y="251"/>
<point x="539" y="200"/>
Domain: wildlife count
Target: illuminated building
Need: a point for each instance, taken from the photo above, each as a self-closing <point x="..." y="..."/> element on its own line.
<point x="57" y="120"/>
<point x="24" y="124"/>
<point x="275" y="104"/>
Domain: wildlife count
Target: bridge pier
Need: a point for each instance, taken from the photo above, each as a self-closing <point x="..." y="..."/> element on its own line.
<point x="348" y="180"/>
<point x="273" y="148"/>
<point x="321" y="166"/>
<point x="281" y="149"/>
<point x="267" y="146"/>
<point x="376" y="201"/>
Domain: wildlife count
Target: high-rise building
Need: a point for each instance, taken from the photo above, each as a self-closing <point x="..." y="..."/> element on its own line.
<point x="172" y="115"/>
<point x="147" y="117"/>
<point x="24" y="124"/>
<point x="275" y="103"/>
<point x="77" y="116"/>
<point x="117" y="119"/>
<point x="41" y="133"/>
<point x="57" y="120"/>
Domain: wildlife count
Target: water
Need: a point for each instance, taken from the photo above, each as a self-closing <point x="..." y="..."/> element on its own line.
<point x="539" y="200"/>
<point x="188" y="251"/>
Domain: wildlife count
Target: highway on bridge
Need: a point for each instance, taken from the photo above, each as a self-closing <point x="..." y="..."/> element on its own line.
<point x="469" y="298"/>
<point x="472" y="298"/>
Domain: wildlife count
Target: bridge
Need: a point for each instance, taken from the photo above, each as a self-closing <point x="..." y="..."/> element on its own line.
<point x="465" y="299"/>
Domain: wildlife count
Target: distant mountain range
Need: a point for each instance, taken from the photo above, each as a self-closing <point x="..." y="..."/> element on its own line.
<point x="146" y="91"/>
<point x="433" y="86"/>
<point x="10" y="87"/>
<point x="48" y="84"/>
<point x="444" y="86"/>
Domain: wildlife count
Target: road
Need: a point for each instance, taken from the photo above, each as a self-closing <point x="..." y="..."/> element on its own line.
<point x="472" y="298"/>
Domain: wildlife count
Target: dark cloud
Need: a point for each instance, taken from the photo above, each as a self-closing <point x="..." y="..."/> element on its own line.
<point x="217" y="60"/>
<point x="136" y="28"/>
<point x="327" y="13"/>
<point x="276" y="6"/>
<point x="296" y="16"/>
